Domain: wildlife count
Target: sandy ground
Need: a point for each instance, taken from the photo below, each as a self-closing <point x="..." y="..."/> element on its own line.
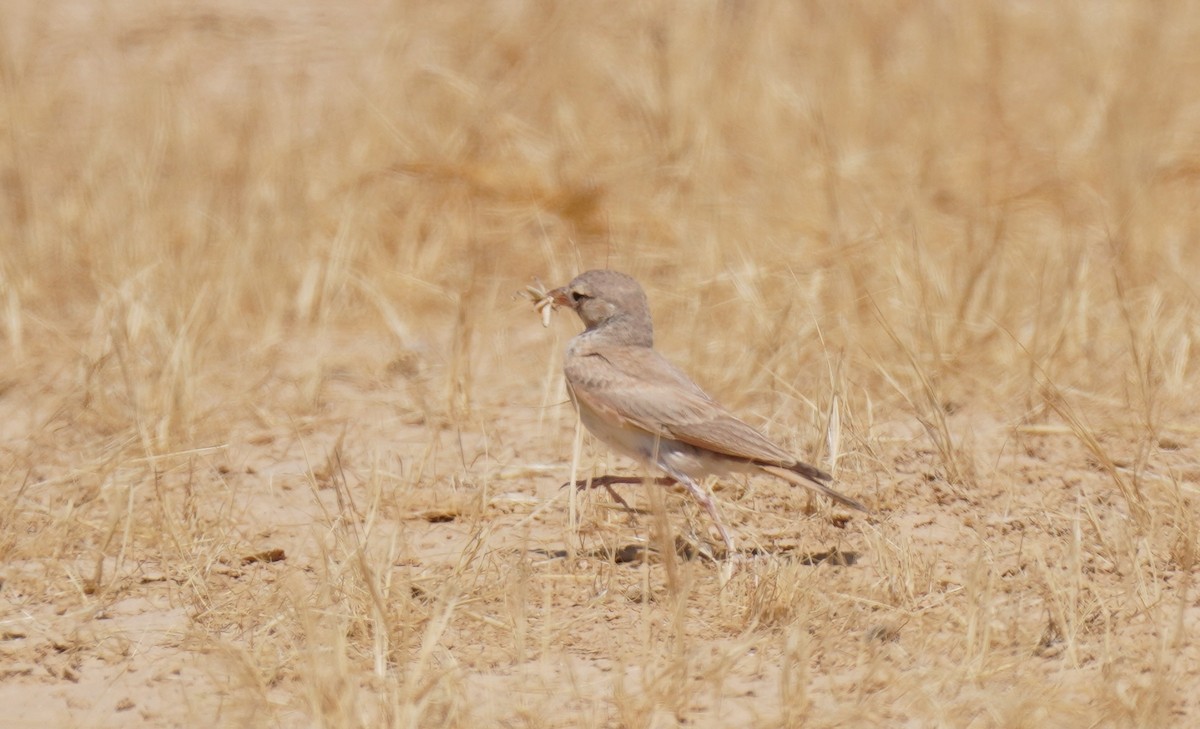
<point x="1029" y="597"/>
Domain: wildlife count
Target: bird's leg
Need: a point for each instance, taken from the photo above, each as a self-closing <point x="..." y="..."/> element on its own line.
<point x="609" y="480"/>
<point x="699" y="494"/>
<point x="618" y="498"/>
<point x="606" y="482"/>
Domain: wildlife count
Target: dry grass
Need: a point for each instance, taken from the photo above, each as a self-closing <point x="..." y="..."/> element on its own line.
<point x="280" y="448"/>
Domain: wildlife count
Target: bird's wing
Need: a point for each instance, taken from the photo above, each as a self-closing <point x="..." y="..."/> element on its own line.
<point x="638" y="387"/>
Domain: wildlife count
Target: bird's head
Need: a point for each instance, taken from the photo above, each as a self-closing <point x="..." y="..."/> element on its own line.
<point x="611" y="301"/>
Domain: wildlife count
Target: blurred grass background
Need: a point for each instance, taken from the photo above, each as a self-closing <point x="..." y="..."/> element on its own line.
<point x="1002" y="183"/>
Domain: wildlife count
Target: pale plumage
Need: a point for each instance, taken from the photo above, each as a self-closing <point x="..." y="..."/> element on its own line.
<point x="643" y="406"/>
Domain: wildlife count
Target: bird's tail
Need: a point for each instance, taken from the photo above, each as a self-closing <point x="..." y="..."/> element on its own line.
<point x="812" y="473"/>
<point x="812" y="478"/>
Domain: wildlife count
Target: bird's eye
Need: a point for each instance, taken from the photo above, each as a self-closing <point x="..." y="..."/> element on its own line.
<point x="576" y="297"/>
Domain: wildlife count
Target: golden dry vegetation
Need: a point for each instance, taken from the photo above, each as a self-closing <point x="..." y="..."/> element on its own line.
<point x="279" y="446"/>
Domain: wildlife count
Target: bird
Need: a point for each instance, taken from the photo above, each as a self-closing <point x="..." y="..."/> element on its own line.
<point x="641" y="405"/>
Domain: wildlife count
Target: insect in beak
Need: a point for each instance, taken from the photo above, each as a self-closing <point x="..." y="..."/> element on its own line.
<point x="544" y="302"/>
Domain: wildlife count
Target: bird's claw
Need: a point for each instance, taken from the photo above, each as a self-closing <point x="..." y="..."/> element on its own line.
<point x="604" y="482"/>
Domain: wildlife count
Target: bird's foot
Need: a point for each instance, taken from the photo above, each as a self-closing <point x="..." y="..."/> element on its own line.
<point x="606" y="482"/>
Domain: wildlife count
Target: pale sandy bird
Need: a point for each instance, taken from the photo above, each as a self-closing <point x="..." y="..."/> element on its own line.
<point x="644" y="407"/>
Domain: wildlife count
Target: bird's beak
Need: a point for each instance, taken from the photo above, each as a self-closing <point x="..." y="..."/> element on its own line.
<point x="560" y="298"/>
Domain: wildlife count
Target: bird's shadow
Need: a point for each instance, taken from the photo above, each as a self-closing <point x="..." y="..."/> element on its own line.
<point x="638" y="553"/>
